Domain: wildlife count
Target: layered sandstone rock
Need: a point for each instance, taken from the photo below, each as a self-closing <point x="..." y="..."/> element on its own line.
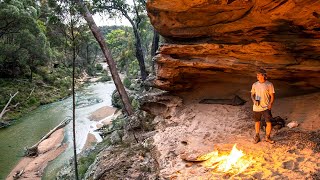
<point x="209" y="39"/>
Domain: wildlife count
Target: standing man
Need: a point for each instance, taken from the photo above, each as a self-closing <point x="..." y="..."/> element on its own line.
<point x="262" y="95"/>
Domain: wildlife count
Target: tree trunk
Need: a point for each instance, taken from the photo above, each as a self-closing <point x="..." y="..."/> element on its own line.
<point x="138" y="46"/>
<point x="87" y="54"/>
<point x="112" y="66"/>
<point x="30" y="75"/>
<point x="154" y="48"/>
<point x="73" y="93"/>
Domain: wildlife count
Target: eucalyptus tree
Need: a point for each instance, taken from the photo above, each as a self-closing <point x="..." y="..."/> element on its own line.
<point x="155" y="37"/>
<point x="122" y="8"/>
<point x="120" y="41"/>
<point x="88" y="49"/>
<point x="64" y="29"/>
<point x="22" y="38"/>
<point x="112" y="66"/>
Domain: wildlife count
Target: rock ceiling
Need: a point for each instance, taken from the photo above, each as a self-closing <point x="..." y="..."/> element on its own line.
<point x="211" y="39"/>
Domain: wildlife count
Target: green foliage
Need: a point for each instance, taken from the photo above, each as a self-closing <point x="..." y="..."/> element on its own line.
<point x="91" y="70"/>
<point x="99" y="67"/>
<point x="88" y="158"/>
<point x="23" y="42"/>
<point x="137" y="15"/>
<point x="126" y="82"/>
<point x="85" y="162"/>
<point x="120" y="41"/>
<point x="33" y="101"/>
<point x="135" y="104"/>
<point x="66" y="33"/>
<point x="133" y="69"/>
<point x="121" y="44"/>
<point x="59" y="77"/>
<point x="105" y="78"/>
<point x="118" y="123"/>
<point x="36" y="43"/>
<point x="115" y="99"/>
<point x="30" y="95"/>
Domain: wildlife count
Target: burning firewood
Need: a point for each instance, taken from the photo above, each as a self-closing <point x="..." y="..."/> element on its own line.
<point x="234" y="162"/>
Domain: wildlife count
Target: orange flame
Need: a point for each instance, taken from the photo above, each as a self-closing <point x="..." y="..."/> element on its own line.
<point x="234" y="163"/>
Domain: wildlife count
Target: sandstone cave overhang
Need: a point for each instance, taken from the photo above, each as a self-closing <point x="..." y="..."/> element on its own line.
<point x="209" y="40"/>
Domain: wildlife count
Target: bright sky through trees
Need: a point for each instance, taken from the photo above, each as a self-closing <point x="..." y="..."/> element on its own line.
<point x="104" y="20"/>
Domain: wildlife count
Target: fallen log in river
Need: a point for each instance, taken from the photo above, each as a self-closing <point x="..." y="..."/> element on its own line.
<point x="33" y="150"/>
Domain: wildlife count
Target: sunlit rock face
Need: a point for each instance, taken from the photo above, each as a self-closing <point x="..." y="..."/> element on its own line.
<point x="213" y="39"/>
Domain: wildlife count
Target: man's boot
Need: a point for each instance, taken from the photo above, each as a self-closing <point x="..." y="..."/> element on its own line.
<point x="269" y="140"/>
<point x="256" y="139"/>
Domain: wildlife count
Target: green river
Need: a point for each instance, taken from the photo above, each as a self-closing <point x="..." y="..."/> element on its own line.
<point x="30" y="128"/>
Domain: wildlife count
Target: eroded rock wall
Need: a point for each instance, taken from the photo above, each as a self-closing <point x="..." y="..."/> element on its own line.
<point x="211" y="39"/>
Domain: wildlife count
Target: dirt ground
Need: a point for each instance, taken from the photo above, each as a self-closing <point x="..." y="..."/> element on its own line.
<point x="197" y="129"/>
<point x="189" y="130"/>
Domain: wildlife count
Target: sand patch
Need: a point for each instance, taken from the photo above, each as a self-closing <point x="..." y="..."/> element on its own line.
<point x="90" y="142"/>
<point x="201" y="127"/>
<point x="49" y="149"/>
<point x="102" y="113"/>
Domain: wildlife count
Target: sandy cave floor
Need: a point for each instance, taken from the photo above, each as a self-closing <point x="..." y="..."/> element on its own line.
<point x="202" y="128"/>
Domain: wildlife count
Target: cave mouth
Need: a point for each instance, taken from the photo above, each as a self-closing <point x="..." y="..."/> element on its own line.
<point x="218" y="85"/>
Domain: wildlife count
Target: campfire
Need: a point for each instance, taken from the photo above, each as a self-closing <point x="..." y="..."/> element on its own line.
<point x="234" y="162"/>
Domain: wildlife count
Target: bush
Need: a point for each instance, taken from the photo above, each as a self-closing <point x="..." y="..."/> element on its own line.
<point x="32" y="101"/>
<point x="118" y="122"/>
<point x="85" y="162"/>
<point x="99" y="67"/>
<point x="105" y="78"/>
<point x="65" y="82"/>
<point x="91" y="70"/>
<point x="115" y="100"/>
<point x="135" y="104"/>
<point x="126" y="82"/>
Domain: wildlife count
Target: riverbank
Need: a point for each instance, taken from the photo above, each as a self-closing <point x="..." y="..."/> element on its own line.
<point x="42" y="90"/>
<point x="51" y="148"/>
<point x="33" y="167"/>
<point x="30" y="96"/>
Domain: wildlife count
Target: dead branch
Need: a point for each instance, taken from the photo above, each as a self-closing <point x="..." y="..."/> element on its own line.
<point x="8" y="108"/>
<point x="33" y="150"/>
<point x="5" y="107"/>
<point x="30" y="93"/>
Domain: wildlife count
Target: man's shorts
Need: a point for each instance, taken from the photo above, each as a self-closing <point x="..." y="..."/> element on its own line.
<point x="266" y="114"/>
